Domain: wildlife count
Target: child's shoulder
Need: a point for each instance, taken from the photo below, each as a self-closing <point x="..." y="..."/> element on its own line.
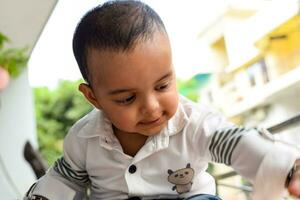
<point x="82" y="130"/>
<point x="88" y="118"/>
<point x="193" y="108"/>
<point x="84" y="125"/>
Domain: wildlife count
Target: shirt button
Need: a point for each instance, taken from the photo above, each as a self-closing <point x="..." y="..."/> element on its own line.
<point x="132" y="169"/>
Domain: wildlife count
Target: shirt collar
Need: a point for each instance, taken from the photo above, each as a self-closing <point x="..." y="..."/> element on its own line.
<point x="96" y="125"/>
<point x="178" y="121"/>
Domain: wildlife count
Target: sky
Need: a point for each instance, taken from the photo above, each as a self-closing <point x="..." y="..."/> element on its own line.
<point x="52" y="58"/>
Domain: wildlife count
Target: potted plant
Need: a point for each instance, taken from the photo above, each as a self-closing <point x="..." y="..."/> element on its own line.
<point x="12" y="61"/>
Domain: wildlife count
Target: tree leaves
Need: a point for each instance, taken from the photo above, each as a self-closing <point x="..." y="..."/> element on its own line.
<point x="56" y="111"/>
<point x="14" y="60"/>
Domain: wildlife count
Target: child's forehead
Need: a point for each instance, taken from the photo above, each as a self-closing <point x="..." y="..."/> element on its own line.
<point x="159" y="42"/>
<point x="149" y="57"/>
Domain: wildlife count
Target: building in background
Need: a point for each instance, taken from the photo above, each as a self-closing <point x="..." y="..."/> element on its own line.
<point x="255" y="48"/>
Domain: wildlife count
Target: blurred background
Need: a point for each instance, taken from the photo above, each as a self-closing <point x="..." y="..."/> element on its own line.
<point x="241" y="57"/>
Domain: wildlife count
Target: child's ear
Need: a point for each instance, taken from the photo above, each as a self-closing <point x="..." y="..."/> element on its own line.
<point x="89" y="94"/>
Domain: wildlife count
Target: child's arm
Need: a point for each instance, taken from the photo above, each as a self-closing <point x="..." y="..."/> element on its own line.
<point x="253" y="153"/>
<point x="67" y="178"/>
<point x="53" y="186"/>
<point x="293" y="181"/>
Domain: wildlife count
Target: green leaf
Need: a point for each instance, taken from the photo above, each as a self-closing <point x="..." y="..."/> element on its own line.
<point x="56" y="111"/>
<point x="14" y="60"/>
<point x="3" y="39"/>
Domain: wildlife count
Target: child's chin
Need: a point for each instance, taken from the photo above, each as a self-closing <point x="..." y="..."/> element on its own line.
<point x="154" y="130"/>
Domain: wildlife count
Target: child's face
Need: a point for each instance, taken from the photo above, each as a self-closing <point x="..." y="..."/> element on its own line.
<point x="135" y="89"/>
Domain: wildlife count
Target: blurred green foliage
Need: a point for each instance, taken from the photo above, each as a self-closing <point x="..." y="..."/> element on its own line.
<point x="13" y="60"/>
<point x="188" y="88"/>
<point x="191" y="88"/>
<point x="56" y="111"/>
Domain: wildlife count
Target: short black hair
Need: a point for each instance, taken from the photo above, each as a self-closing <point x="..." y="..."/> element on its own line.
<point x="115" y="25"/>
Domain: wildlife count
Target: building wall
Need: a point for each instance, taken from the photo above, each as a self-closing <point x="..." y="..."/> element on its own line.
<point x="22" y="22"/>
<point x="238" y="89"/>
<point x="17" y="125"/>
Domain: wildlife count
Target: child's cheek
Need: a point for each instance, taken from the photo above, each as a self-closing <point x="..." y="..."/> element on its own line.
<point x="125" y="120"/>
<point x="170" y="103"/>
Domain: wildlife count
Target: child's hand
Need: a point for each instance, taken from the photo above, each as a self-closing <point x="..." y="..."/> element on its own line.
<point x="294" y="185"/>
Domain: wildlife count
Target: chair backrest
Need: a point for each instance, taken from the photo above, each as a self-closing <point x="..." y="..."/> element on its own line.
<point x="35" y="160"/>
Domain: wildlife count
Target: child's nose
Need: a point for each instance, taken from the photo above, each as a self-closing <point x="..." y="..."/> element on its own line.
<point x="150" y="105"/>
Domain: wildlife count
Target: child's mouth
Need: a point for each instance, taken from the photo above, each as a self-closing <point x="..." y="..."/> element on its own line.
<point x="152" y="122"/>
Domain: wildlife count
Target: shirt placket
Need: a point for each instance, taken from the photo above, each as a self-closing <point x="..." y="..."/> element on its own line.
<point x="133" y="176"/>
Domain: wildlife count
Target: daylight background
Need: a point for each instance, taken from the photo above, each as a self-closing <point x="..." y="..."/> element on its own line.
<point x="240" y="57"/>
<point x="183" y="19"/>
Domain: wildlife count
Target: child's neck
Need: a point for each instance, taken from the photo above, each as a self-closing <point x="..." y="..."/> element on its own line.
<point x="131" y="142"/>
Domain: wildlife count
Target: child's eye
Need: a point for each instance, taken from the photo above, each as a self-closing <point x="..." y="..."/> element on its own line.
<point x="162" y="87"/>
<point x="127" y="100"/>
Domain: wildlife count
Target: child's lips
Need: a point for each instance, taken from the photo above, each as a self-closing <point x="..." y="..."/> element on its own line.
<point x="151" y="122"/>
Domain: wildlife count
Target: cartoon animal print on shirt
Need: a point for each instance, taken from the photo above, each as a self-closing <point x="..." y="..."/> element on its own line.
<point x="182" y="178"/>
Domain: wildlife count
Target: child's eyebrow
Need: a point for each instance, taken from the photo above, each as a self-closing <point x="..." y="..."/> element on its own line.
<point x="123" y="90"/>
<point x="118" y="91"/>
<point x="165" y="76"/>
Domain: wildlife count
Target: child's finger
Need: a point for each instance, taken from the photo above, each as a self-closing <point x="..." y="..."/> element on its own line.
<point x="294" y="186"/>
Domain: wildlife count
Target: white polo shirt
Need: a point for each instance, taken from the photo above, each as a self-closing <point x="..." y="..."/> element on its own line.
<point x="171" y="164"/>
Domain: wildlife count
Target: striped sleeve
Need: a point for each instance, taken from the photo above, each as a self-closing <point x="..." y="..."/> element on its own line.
<point x="223" y="143"/>
<point x="65" y="170"/>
